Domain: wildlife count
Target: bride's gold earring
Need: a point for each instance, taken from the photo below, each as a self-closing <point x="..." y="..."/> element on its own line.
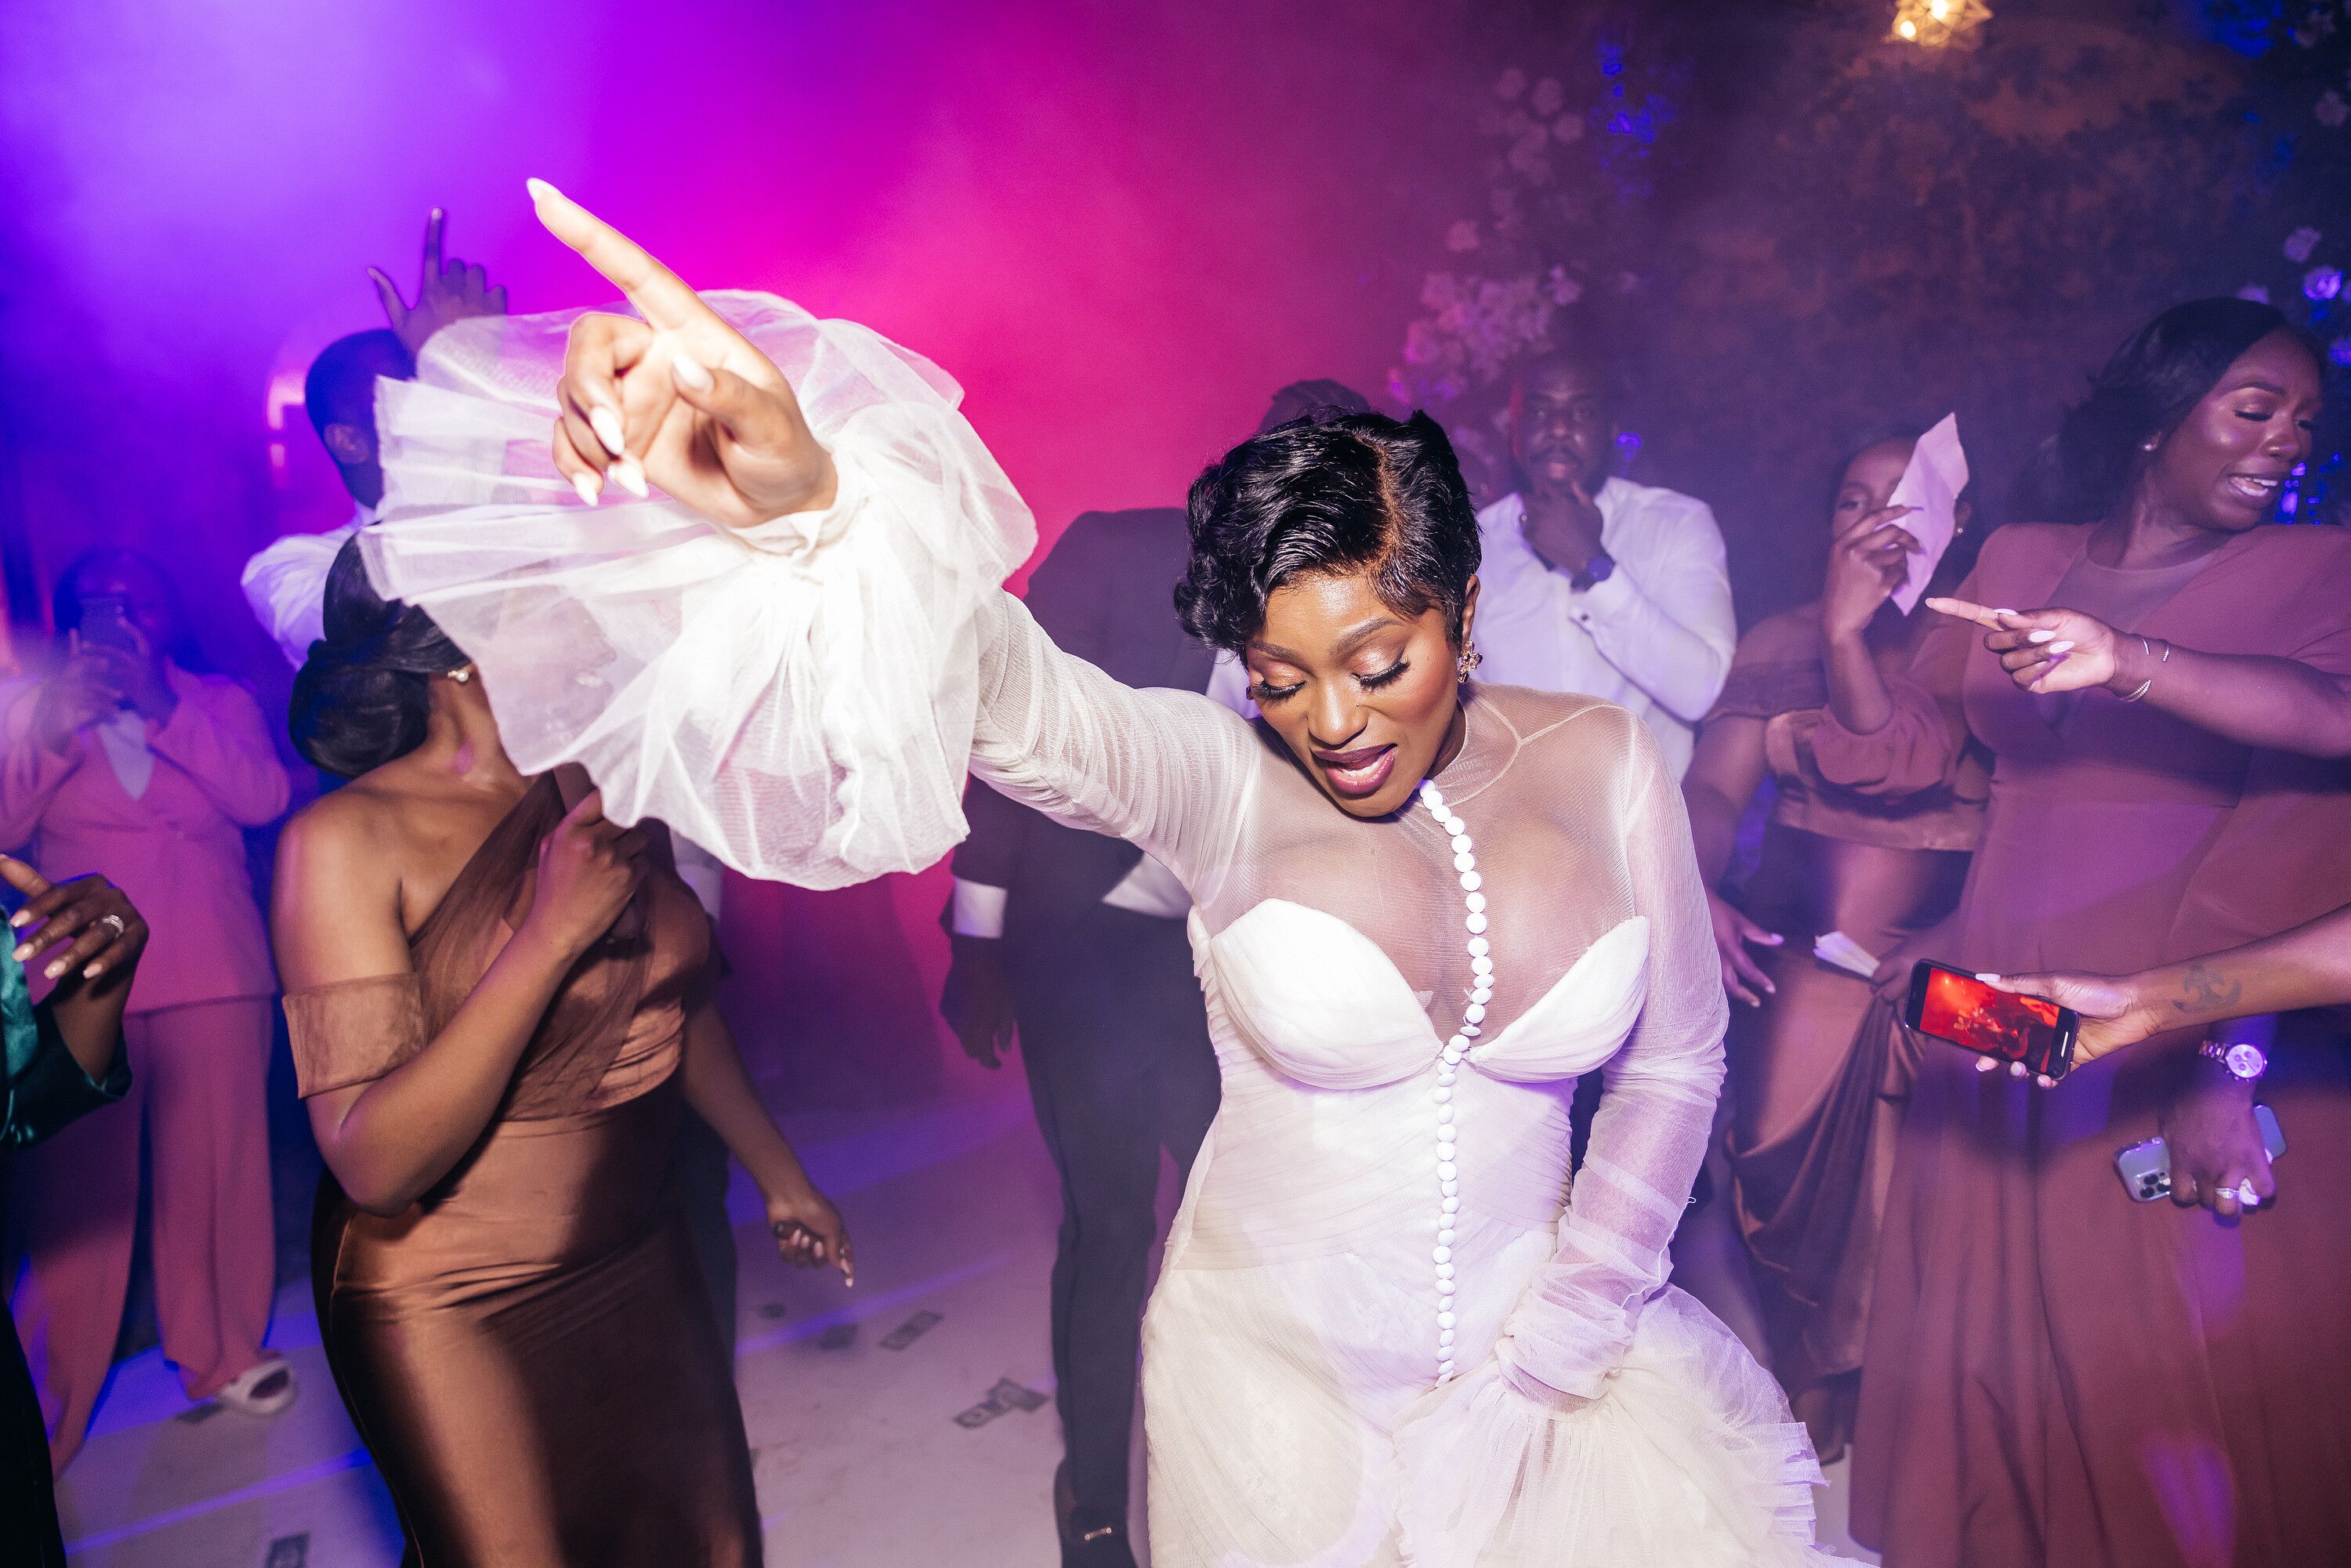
<point x="462" y="673"/>
<point x="1470" y="659"/>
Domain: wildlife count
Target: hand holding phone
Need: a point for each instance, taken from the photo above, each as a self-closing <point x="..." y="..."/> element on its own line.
<point x="2033" y="1034"/>
<point x="2146" y="1167"/>
<point x="106" y="623"/>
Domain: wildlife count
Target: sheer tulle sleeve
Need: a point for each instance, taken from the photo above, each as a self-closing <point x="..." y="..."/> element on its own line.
<point x="799" y="698"/>
<point x="803" y="698"/>
<point x="1650" y="1133"/>
<point x="1169" y="770"/>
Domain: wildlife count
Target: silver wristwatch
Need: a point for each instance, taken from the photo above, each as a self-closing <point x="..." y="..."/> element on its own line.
<point x="2242" y="1060"/>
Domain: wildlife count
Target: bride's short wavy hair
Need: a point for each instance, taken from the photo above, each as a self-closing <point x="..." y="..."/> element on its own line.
<point x="1360" y="492"/>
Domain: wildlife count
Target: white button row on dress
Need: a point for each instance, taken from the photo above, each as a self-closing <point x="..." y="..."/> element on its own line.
<point x="1448" y="1065"/>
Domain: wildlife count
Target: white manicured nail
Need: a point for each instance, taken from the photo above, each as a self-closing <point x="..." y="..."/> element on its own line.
<point x="590" y="487"/>
<point x="1988" y="980"/>
<point x="541" y="190"/>
<point x="2016" y="1070"/>
<point x="2047" y="1081"/>
<point x="607" y="426"/>
<point x="2060" y="647"/>
<point x="2042" y="637"/>
<point x="1986" y="1064"/>
<point x="690" y="371"/>
<point x="629" y="476"/>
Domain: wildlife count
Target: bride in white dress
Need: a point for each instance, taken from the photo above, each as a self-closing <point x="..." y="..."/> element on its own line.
<point x="1386" y="1332"/>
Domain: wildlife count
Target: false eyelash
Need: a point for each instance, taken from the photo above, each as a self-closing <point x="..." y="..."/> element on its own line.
<point x="1265" y="693"/>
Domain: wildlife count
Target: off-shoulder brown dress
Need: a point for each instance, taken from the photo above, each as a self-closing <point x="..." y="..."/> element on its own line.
<point x="526" y="1351"/>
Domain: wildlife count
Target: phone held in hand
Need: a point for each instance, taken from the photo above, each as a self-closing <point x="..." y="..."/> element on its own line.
<point x="1953" y="1005"/>
<point x="2146" y="1167"/>
<point x="106" y="623"/>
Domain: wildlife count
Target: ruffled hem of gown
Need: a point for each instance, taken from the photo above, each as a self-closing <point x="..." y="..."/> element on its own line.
<point x="1688" y="1460"/>
<point x="799" y="698"/>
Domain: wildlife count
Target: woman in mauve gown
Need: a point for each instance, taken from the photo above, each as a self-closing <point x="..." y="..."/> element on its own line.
<point x="1818" y="1073"/>
<point x="2058" y="1376"/>
<point x="498" y="1007"/>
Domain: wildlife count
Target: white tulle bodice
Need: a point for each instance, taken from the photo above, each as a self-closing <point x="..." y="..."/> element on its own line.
<point x="804" y="699"/>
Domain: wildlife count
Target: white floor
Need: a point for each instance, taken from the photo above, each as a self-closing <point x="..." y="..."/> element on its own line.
<point x="858" y="1452"/>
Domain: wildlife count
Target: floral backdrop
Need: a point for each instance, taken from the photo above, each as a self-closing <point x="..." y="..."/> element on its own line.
<point x="1787" y="225"/>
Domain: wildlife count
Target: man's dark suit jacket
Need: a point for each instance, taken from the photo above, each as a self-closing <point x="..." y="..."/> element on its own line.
<point x="1106" y="593"/>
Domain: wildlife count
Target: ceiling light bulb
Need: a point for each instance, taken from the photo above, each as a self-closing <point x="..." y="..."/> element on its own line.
<point x="1940" y="10"/>
<point x="1906" y="27"/>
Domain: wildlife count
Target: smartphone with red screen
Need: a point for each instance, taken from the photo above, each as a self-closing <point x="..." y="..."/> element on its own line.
<point x="1953" y="1005"/>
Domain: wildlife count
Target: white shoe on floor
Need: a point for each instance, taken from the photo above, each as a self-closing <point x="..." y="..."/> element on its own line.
<point x="265" y="1388"/>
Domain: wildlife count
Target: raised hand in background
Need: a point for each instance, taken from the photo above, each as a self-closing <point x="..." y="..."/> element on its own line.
<point x="447" y="290"/>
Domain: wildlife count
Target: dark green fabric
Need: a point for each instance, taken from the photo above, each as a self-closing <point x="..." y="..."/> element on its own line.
<point x="45" y="1089"/>
<point x="20" y="1034"/>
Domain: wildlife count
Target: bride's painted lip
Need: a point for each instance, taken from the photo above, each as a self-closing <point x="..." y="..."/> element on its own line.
<point x="1357" y="773"/>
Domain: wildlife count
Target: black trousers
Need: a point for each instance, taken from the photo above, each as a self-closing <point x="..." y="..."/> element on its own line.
<point x="28" y="1508"/>
<point x="1115" y="1039"/>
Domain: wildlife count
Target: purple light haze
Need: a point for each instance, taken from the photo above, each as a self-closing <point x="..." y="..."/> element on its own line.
<point x="1122" y="227"/>
<point x="1120" y="230"/>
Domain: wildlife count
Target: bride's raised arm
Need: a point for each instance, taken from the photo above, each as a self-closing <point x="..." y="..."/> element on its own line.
<point x="753" y="583"/>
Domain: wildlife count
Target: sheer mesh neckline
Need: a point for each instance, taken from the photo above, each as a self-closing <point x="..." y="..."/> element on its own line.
<point x="1491" y="743"/>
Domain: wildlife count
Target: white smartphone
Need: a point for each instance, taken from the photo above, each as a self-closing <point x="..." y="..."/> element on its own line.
<point x="2145" y="1168"/>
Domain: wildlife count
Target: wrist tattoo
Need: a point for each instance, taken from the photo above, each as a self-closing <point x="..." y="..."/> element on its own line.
<point x="2205" y="987"/>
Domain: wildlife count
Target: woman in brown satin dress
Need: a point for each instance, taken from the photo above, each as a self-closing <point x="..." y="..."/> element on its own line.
<point x="496" y="1007"/>
<point x="1817" y="1071"/>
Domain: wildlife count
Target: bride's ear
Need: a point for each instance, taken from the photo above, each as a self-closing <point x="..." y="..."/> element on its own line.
<point x="1469" y="612"/>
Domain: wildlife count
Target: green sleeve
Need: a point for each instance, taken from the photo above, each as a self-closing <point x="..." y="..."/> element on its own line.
<point x="45" y="1087"/>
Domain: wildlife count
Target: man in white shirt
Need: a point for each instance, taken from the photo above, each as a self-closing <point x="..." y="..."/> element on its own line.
<point x="1591" y="583"/>
<point x="284" y="582"/>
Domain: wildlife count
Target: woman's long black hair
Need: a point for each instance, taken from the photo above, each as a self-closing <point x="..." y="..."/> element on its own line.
<point x="361" y="699"/>
<point x="2152" y="383"/>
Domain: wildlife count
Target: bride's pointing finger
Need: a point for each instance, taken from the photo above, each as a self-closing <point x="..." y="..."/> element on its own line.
<point x="660" y="296"/>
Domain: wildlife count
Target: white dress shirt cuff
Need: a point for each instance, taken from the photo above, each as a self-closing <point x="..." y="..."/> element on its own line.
<point x="1607" y="599"/>
<point x="976" y="910"/>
